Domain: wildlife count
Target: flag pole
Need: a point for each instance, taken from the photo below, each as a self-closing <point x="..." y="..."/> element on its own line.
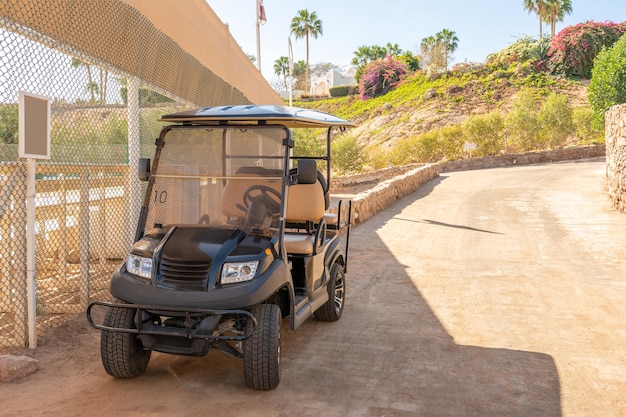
<point x="258" y="34"/>
<point x="290" y="53"/>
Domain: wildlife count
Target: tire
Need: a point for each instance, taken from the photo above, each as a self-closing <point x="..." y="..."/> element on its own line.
<point x="123" y="355"/>
<point x="332" y="309"/>
<point x="261" y="352"/>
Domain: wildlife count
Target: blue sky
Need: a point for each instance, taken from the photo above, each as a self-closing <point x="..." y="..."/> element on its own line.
<point x="483" y="26"/>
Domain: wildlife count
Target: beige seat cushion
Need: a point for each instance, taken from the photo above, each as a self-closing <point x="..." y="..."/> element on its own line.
<point x="306" y="203"/>
<point x="299" y="243"/>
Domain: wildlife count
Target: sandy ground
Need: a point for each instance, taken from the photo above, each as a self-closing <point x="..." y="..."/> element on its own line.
<point x="486" y="293"/>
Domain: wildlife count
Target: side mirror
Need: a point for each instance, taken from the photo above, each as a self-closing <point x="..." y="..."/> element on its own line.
<point x="143" y="170"/>
<point x="307" y="171"/>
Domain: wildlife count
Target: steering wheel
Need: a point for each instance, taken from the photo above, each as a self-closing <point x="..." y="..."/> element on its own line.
<point x="267" y="195"/>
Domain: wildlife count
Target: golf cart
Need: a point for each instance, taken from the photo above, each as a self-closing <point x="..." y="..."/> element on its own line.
<point x="234" y="235"/>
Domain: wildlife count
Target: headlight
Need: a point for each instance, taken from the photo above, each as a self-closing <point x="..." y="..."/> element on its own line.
<point x="140" y="266"/>
<point x="238" y="272"/>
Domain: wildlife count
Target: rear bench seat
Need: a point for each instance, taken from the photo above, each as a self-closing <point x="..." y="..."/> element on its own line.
<point x="306" y="204"/>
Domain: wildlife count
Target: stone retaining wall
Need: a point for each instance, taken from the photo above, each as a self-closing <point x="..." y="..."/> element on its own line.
<point x="367" y="203"/>
<point x="373" y="177"/>
<point x="615" y="133"/>
<point x="563" y="154"/>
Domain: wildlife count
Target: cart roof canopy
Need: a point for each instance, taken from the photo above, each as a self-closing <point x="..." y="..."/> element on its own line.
<point x="253" y="115"/>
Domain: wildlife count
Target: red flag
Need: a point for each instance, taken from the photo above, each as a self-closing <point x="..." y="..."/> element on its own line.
<point x="261" y="12"/>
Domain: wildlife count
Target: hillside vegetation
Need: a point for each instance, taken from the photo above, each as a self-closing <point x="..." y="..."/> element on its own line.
<point x="429" y="118"/>
<point x="422" y="103"/>
<point x="532" y="95"/>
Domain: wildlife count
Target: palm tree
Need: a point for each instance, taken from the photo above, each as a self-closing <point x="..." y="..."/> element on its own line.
<point x="367" y="54"/>
<point x="432" y="54"/>
<point x="539" y="8"/>
<point x="299" y="69"/>
<point x="556" y="11"/>
<point x="91" y="85"/>
<point x="281" y="67"/>
<point x="104" y="79"/>
<point x="450" y="42"/>
<point x="393" y="49"/>
<point x="306" y="24"/>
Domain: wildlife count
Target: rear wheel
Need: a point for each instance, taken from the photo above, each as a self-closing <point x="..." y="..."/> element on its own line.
<point x="123" y="355"/>
<point x="332" y="309"/>
<point x="261" y="352"/>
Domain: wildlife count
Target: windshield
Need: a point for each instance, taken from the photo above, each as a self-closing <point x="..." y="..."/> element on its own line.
<point x="218" y="176"/>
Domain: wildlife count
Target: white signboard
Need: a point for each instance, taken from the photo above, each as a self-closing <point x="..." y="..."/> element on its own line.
<point x="34" y="126"/>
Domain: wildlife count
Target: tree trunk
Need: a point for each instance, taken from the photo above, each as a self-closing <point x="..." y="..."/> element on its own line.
<point x="101" y="84"/>
<point x="93" y="98"/>
<point x="307" y="83"/>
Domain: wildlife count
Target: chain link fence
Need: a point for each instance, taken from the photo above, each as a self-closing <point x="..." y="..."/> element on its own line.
<point x="87" y="194"/>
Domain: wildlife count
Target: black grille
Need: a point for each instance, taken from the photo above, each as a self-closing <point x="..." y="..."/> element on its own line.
<point x="183" y="275"/>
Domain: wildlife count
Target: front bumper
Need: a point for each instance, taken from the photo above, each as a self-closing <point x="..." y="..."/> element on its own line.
<point x="194" y="323"/>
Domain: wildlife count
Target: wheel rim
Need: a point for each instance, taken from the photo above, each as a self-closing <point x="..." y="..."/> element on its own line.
<point x="339" y="292"/>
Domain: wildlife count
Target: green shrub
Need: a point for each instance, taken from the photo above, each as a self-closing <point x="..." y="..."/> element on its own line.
<point x="522" y="50"/>
<point x="8" y="123"/>
<point x="346" y="155"/>
<point x="521" y="123"/>
<point x="425" y="147"/>
<point x="586" y="133"/>
<point x="375" y="157"/>
<point x="608" y="82"/>
<point x="555" y="118"/>
<point x="450" y="142"/>
<point x="486" y="131"/>
<point x="308" y="142"/>
<point x="428" y="147"/>
<point x="411" y="61"/>
<point x="343" y="90"/>
<point x="404" y="151"/>
<point x="84" y="130"/>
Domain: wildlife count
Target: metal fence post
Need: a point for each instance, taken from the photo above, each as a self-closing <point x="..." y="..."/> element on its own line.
<point x="133" y="188"/>
<point x="84" y="241"/>
<point x="30" y="253"/>
<point x="18" y="287"/>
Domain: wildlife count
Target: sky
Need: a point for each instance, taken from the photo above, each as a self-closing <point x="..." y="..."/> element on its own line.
<point x="483" y="27"/>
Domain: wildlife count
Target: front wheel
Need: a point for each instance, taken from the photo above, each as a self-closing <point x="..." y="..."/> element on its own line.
<point x="123" y="355"/>
<point x="332" y="309"/>
<point x="261" y="352"/>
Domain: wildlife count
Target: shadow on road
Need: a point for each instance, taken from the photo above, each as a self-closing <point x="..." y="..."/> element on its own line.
<point x="391" y="356"/>
<point x="455" y="226"/>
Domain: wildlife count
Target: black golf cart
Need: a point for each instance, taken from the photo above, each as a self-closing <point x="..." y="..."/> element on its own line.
<point x="234" y="235"/>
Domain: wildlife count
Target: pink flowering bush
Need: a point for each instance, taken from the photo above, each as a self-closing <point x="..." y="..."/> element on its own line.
<point x="381" y="76"/>
<point x="573" y="49"/>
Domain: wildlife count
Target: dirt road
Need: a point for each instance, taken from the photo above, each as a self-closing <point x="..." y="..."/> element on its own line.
<point x="486" y="293"/>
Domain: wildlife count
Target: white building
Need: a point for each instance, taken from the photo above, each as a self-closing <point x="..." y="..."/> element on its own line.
<point x="320" y="86"/>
